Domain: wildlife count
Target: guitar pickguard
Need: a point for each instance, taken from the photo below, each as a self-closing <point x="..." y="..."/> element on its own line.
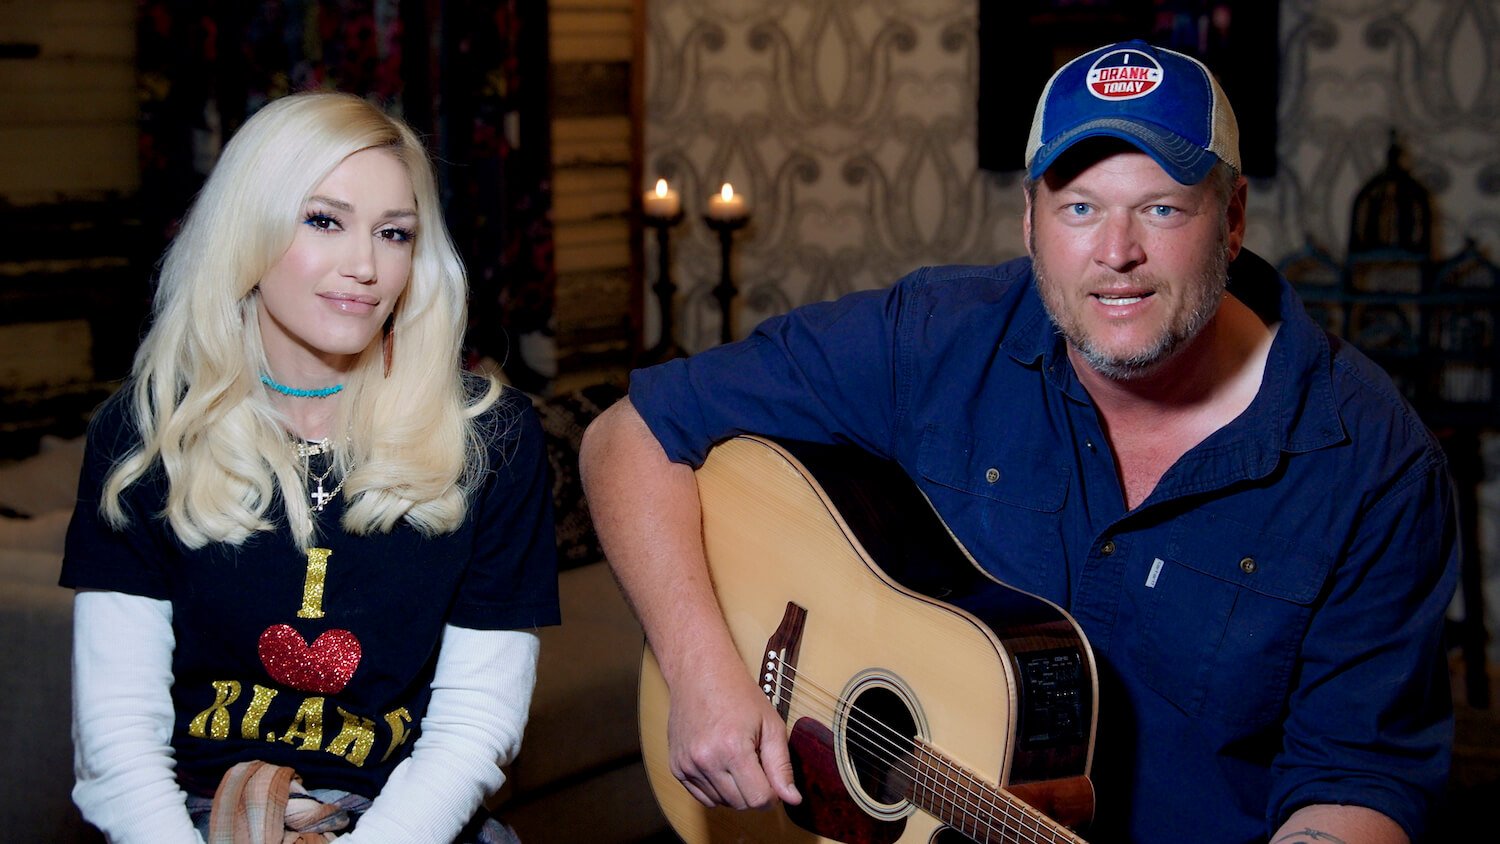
<point x="827" y="809"/>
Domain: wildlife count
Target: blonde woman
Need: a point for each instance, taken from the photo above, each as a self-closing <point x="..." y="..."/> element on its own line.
<point x="309" y="551"/>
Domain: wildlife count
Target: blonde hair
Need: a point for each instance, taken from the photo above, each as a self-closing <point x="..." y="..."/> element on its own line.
<point x="413" y="448"/>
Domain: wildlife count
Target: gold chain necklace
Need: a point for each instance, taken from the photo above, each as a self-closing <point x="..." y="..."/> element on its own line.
<point x="308" y="450"/>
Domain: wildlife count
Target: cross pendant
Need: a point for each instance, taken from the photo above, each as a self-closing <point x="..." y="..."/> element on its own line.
<point x="320" y="498"/>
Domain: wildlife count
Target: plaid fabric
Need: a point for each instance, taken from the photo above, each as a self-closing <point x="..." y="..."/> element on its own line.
<point x="320" y="814"/>
<point x="261" y="803"/>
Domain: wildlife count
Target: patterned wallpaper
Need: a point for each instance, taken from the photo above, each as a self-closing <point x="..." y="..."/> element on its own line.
<point x="849" y="126"/>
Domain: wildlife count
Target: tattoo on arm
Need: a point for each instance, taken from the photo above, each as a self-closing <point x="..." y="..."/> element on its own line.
<point x="1304" y="836"/>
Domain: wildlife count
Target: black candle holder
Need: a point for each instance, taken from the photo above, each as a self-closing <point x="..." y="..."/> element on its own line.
<point x="666" y="346"/>
<point x="725" y="291"/>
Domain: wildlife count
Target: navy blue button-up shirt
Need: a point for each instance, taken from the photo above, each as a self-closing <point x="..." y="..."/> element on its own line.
<point x="1267" y="623"/>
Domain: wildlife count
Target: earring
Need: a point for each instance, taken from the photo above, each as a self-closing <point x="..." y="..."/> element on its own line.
<point x="388" y="342"/>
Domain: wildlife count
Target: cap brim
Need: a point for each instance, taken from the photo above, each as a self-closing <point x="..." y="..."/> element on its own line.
<point x="1185" y="161"/>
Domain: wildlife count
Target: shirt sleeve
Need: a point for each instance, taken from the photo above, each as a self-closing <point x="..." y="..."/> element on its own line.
<point x="826" y="372"/>
<point x="122" y="719"/>
<point x="97" y="555"/>
<point x="511" y="579"/>
<point x="1370" y="720"/>
<point x="481" y="694"/>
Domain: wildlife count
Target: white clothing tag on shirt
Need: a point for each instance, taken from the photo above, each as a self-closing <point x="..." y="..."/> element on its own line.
<point x="1155" y="572"/>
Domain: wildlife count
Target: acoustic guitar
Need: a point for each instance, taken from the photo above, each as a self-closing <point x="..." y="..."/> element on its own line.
<point x="925" y="701"/>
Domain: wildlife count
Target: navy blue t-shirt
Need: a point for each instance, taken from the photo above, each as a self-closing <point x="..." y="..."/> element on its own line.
<point x="320" y="660"/>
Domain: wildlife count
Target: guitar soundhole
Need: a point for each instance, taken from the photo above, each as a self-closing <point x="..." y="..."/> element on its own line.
<point x="949" y="835"/>
<point x="878" y="734"/>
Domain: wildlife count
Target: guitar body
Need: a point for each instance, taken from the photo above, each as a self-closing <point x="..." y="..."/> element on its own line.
<point x="903" y="709"/>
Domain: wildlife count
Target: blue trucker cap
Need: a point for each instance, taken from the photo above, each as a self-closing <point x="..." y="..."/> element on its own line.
<point x="1161" y="101"/>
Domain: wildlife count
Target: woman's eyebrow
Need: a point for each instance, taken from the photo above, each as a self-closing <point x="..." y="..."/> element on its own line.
<point x="348" y="207"/>
<point x="328" y="200"/>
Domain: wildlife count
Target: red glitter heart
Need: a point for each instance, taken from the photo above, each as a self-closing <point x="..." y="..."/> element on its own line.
<point x="325" y="666"/>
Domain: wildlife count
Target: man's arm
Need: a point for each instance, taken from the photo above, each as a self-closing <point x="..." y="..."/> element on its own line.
<point x="727" y="744"/>
<point x="1335" y="824"/>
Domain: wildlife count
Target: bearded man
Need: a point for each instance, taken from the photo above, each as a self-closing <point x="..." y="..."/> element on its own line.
<point x="1138" y="423"/>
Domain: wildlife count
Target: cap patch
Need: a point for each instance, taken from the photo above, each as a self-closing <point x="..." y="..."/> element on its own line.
<point x="1124" y="75"/>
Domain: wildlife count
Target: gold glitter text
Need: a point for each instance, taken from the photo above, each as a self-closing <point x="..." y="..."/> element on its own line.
<point x="399" y="734"/>
<point x="312" y="587"/>
<point x="213" y="722"/>
<point x="250" y="727"/>
<point x="307" y="726"/>
<point x="355" y="738"/>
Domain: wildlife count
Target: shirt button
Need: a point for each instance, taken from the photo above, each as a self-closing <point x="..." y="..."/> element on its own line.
<point x="992" y="474"/>
<point x="1247" y="565"/>
<point x="1107" y="548"/>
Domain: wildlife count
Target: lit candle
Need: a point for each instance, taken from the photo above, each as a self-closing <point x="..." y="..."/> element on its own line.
<point x="727" y="205"/>
<point x="662" y="202"/>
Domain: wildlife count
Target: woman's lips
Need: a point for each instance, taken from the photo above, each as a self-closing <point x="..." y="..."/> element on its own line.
<point x="352" y="303"/>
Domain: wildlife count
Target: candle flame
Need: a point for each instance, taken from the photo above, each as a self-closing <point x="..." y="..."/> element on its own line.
<point x="661" y="187"/>
<point x="726" y="192"/>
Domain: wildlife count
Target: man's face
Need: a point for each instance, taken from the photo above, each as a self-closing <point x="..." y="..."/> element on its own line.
<point x="1130" y="263"/>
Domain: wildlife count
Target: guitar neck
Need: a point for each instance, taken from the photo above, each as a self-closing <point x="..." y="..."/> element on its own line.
<point x="982" y="811"/>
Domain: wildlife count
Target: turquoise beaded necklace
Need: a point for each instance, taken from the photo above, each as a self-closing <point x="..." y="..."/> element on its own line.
<point x="321" y="393"/>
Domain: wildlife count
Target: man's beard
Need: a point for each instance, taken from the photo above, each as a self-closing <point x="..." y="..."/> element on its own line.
<point x="1212" y="282"/>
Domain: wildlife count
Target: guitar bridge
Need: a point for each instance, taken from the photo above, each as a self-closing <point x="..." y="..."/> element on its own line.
<point x="779" y="669"/>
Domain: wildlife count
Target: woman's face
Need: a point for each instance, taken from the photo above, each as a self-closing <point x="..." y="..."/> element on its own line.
<point x="326" y="298"/>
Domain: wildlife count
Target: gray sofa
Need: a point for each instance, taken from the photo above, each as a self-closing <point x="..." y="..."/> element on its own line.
<point x="578" y="778"/>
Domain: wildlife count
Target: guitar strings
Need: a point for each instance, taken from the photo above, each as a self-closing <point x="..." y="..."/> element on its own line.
<point x="1029" y="816"/>
<point x="963" y="815"/>
<point x="975" y="796"/>
<point x="884" y="743"/>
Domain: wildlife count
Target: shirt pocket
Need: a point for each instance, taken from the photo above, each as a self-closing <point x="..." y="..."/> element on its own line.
<point x="1003" y="501"/>
<point x="1222" y="617"/>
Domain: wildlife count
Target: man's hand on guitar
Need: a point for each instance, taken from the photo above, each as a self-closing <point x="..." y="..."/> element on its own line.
<point x="728" y="745"/>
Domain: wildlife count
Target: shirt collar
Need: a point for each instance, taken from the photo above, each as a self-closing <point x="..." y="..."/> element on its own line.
<point x="1036" y="343"/>
<point x="1297" y="391"/>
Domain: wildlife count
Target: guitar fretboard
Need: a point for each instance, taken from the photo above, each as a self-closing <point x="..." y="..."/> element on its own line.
<point x="984" y="812"/>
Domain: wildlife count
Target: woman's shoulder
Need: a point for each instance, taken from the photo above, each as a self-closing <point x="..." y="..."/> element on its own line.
<point x="113" y="429"/>
<point x="509" y="425"/>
